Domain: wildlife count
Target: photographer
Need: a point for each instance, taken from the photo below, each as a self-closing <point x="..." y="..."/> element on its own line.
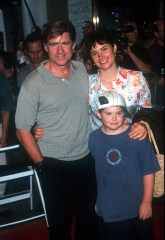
<point x="134" y="56"/>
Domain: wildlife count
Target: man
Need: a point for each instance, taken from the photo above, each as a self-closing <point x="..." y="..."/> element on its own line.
<point x="6" y="106"/>
<point x="36" y="53"/>
<point x="87" y="27"/>
<point x="157" y="55"/>
<point x="56" y="96"/>
<point x="6" y="69"/>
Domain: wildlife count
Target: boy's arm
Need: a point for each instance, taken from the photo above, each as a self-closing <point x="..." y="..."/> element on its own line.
<point x="145" y="210"/>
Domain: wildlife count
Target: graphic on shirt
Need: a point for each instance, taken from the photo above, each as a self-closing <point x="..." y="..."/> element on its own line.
<point x="113" y="156"/>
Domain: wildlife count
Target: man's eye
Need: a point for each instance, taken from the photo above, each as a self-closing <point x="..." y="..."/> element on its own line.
<point x="54" y="44"/>
<point x="66" y="43"/>
<point x="104" y="49"/>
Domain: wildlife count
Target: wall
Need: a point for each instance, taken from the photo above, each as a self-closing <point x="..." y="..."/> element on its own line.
<point x="43" y="11"/>
<point x="39" y="13"/>
<point x="79" y="11"/>
<point x="57" y="10"/>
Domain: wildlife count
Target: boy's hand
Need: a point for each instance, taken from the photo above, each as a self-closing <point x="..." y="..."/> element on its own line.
<point x="145" y="211"/>
<point x="38" y="132"/>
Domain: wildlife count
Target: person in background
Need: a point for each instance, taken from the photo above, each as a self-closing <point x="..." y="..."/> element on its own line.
<point x="125" y="211"/>
<point x="1" y="41"/>
<point x="36" y="54"/>
<point x="147" y="34"/>
<point x="21" y="58"/>
<point x="6" y="69"/>
<point x="44" y="28"/>
<point x="6" y="106"/>
<point x="79" y="54"/>
<point x="135" y="56"/>
<point x="55" y="95"/>
<point x="156" y="51"/>
<point x="37" y="29"/>
<point x="87" y="27"/>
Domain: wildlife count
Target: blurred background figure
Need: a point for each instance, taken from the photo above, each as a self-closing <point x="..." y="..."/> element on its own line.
<point x="157" y="56"/>
<point x="36" y="53"/>
<point x="6" y="106"/>
<point x="1" y="40"/>
<point x="21" y="58"/>
<point x="79" y="53"/>
<point x="87" y="27"/>
<point x="44" y="27"/>
<point x="135" y="56"/>
<point x="36" y="29"/>
<point x="6" y="69"/>
<point x="148" y="35"/>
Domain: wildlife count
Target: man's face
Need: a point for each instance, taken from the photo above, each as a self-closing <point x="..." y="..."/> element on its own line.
<point x="160" y="33"/>
<point x="36" y="52"/>
<point x="87" y="28"/>
<point x="60" y="49"/>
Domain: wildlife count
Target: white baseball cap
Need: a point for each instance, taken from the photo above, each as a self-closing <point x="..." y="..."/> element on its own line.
<point x="112" y="99"/>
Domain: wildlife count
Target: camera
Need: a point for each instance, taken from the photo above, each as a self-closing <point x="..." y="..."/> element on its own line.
<point x="119" y="36"/>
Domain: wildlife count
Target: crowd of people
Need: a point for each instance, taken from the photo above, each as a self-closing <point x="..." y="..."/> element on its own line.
<point x="73" y="109"/>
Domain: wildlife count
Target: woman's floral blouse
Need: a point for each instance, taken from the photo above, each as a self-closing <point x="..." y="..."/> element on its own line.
<point x="132" y="85"/>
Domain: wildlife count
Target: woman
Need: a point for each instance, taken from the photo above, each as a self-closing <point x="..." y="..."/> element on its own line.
<point x="132" y="85"/>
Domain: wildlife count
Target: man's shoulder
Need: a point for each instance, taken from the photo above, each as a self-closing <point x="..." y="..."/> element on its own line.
<point x="78" y="65"/>
<point x="154" y="47"/>
<point x="33" y="79"/>
<point x="3" y="79"/>
<point x="28" y="68"/>
<point x="4" y="82"/>
<point x="24" y="72"/>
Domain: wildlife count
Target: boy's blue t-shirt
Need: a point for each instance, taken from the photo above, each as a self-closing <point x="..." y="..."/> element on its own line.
<point x="121" y="163"/>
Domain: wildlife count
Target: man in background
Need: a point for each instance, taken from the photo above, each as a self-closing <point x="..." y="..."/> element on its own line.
<point x="156" y="51"/>
<point x="36" y="54"/>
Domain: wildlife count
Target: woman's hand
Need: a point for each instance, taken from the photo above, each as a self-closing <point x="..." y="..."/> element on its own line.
<point x="38" y="132"/>
<point x="138" y="131"/>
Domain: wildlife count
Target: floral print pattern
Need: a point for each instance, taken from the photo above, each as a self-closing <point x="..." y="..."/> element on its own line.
<point x="132" y="85"/>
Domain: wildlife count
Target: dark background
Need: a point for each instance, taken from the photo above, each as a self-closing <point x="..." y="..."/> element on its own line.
<point x="142" y="10"/>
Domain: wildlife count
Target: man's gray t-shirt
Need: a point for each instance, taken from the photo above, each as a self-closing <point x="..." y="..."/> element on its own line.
<point x="60" y="107"/>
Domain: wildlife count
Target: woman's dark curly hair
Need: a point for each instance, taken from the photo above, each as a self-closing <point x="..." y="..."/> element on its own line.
<point x="100" y="37"/>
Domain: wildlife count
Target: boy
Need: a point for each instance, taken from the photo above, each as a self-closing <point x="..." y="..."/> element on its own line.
<point x="125" y="174"/>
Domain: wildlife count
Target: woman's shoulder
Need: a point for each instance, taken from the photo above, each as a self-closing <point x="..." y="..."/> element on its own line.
<point x="131" y="76"/>
<point x="125" y="73"/>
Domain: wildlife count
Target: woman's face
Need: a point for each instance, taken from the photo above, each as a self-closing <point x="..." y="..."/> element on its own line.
<point x="103" y="55"/>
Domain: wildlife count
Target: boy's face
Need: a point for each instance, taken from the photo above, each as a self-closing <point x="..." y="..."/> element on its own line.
<point x="112" y="117"/>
